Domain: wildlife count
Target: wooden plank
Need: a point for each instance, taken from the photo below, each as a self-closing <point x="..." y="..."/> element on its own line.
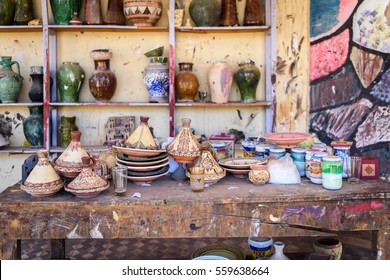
<point x="11" y="250"/>
<point x="383" y="245"/>
<point x="215" y="29"/>
<point x="106" y="28"/>
<point x="230" y="104"/>
<point x="57" y="248"/>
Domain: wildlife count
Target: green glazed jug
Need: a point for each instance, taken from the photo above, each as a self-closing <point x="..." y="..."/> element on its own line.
<point x="10" y="81"/>
<point x="7" y="11"/>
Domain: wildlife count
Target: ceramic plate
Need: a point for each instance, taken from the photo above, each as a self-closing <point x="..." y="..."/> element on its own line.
<point x="286" y="139"/>
<point x="239" y="173"/>
<point x="145" y="180"/>
<point x="225" y="251"/>
<point x="142" y="161"/>
<point x="241" y="163"/>
<point x="138" y="152"/>
<point x="157" y="171"/>
<point x="143" y="167"/>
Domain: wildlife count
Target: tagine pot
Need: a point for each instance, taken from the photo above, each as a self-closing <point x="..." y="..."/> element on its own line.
<point x="87" y="184"/>
<point x="143" y="12"/>
<point x="43" y="180"/>
<point x="69" y="164"/>
<point x="184" y="148"/>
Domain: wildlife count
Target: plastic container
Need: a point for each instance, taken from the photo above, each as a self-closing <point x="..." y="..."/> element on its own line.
<point x="332" y="170"/>
<point x="276" y="153"/>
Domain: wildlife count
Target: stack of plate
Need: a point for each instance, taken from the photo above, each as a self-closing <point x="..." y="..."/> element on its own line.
<point x="144" y="169"/>
<point x="240" y="167"/>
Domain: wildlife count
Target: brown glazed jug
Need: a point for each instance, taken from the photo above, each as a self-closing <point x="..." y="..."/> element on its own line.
<point x="186" y="83"/>
<point x="229" y="13"/>
<point x="254" y="13"/>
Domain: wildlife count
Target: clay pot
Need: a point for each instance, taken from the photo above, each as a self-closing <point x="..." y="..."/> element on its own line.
<point x="103" y="82"/>
<point x="205" y="12"/>
<point x="10" y="81"/>
<point x="184" y="148"/>
<point x="68" y="124"/>
<point x="229" y="13"/>
<point x="33" y="127"/>
<point x="43" y="180"/>
<point x="143" y="12"/>
<point x="279" y="254"/>
<point x="7" y="12"/>
<point x="186" y="83"/>
<point x="254" y="13"/>
<point x="259" y="174"/>
<point x="247" y="79"/>
<point x="93" y="14"/>
<point x="115" y="15"/>
<point x="328" y="246"/>
<point x="63" y="11"/>
<point x="156" y="79"/>
<point x="220" y="80"/>
<point x="36" y="90"/>
<point x="70" y="77"/>
<point x="23" y="12"/>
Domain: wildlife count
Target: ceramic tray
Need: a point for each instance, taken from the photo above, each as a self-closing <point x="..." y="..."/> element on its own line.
<point x="225" y="251"/>
<point x="241" y="163"/>
<point x="286" y="139"/>
<point x="138" y="152"/>
<point x="145" y="180"/>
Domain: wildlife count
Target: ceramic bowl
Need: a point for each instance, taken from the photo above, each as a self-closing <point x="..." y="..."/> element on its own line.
<point x="146" y="179"/>
<point x="286" y="139"/>
<point x="221" y="250"/>
<point x="138" y="152"/>
<point x="241" y="163"/>
<point x="155" y="52"/>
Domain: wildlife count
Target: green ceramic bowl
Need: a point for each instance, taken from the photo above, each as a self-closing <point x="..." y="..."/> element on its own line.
<point x="155" y="52"/>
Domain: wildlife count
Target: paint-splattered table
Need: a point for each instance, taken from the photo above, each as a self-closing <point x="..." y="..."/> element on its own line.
<point x="167" y="209"/>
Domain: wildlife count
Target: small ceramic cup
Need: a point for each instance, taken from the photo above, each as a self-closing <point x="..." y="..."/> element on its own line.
<point x="260" y="246"/>
<point x="197" y="179"/>
<point x="328" y="246"/>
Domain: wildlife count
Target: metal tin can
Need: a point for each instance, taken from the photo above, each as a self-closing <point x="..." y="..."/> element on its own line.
<point x="309" y="154"/>
<point x="220" y="150"/>
<point x="298" y="157"/>
<point x="316" y="167"/>
<point x="332" y="170"/>
<point x="276" y="153"/>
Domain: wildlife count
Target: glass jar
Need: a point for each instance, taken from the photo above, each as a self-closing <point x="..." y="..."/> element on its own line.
<point x="332" y="170"/>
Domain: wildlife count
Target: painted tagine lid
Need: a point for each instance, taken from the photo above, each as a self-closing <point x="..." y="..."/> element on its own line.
<point x="341" y="143"/>
<point x="142" y="137"/>
<point x="213" y="172"/>
<point x="87" y="184"/>
<point x="43" y="180"/>
<point x="184" y="148"/>
<point x="69" y="163"/>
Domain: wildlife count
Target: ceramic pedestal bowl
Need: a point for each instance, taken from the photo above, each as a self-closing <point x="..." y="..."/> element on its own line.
<point x="42" y="190"/>
<point x="286" y="139"/>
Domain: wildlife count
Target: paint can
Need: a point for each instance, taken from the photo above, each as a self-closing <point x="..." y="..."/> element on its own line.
<point x="260" y="246"/>
<point x="298" y="157"/>
<point x="276" y="153"/>
<point x="308" y="156"/>
<point x="332" y="170"/>
<point x="316" y="167"/>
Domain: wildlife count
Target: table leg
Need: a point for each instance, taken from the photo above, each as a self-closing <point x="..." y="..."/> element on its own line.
<point x="383" y="245"/>
<point x="11" y="249"/>
<point x="57" y="247"/>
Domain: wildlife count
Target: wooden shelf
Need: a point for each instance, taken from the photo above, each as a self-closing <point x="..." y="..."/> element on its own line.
<point x="107" y="28"/>
<point x="19" y="150"/>
<point x="21" y="104"/>
<point x="214" y="29"/>
<point x="21" y="28"/>
<point x="108" y="104"/>
<point x="93" y="149"/>
<point x="230" y="104"/>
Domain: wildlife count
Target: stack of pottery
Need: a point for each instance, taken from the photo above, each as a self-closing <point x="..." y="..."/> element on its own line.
<point x="87" y="184"/>
<point x="69" y="164"/>
<point x="184" y="148"/>
<point x="240" y="167"/>
<point x="212" y="171"/>
<point x="43" y="180"/>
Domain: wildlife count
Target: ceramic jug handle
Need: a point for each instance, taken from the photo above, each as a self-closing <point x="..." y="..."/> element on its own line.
<point x="17" y="63"/>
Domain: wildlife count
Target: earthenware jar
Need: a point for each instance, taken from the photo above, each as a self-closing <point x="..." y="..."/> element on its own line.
<point x="43" y="180"/>
<point x="229" y="13"/>
<point x="205" y="12"/>
<point x="36" y="90"/>
<point x="23" y="12"/>
<point x="10" y="81"/>
<point x="115" y="15"/>
<point x="7" y="12"/>
<point x="186" y="83"/>
<point x="33" y="127"/>
<point x="184" y="148"/>
<point x="87" y="184"/>
<point x="259" y="174"/>
<point x="69" y="163"/>
<point x="103" y="82"/>
<point x="220" y="79"/>
<point x="247" y="79"/>
<point x="142" y="137"/>
<point x="93" y="14"/>
<point x="63" y="11"/>
<point x="143" y="12"/>
<point x="70" y="77"/>
<point x="67" y="125"/>
<point x="279" y="255"/>
<point x="213" y="172"/>
<point x="156" y="79"/>
<point x="254" y="12"/>
<point x="328" y="246"/>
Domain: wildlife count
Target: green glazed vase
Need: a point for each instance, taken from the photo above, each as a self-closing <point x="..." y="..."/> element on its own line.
<point x="247" y="79"/>
<point x="70" y="77"/>
<point x="7" y="11"/>
<point x="205" y="12"/>
<point x="33" y="127"/>
<point x="68" y="124"/>
<point x="63" y="10"/>
<point x="10" y="81"/>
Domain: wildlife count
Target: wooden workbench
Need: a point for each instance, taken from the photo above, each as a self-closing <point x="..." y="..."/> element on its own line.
<point x="168" y="209"/>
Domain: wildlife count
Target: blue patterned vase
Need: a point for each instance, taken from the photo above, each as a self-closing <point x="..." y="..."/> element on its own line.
<point x="156" y="79"/>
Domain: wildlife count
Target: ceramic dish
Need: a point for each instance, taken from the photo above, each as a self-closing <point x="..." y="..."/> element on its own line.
<point x="239" y="173"/>
<point x="148" y="173"/>
<point x="226" y="251"/>
<point x="138" y="152"/>
<point x="286" y="139"/>
<point x="145" y="180"/>
<point x="142" y="159"/>
<point x="241" y="163"/>
<point x="150" y="166"/>
<point x="210" y="257"/>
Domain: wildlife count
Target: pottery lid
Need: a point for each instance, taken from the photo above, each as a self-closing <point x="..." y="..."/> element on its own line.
<point x="142" y="137"/>
<point x="212" y="170"/>
<point x="72" y="155"/>
<point x="185" y="143"/>
<point x="341" y="143"/>
<point x="87" y="180"/>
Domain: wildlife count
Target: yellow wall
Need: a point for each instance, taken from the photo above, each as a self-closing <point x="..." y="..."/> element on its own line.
<point x="128" y="63"/>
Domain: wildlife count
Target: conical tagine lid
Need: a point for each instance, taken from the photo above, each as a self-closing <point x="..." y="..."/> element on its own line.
<point x="142" y="137"/>
<point x="73" y="154"/>
<point x="87" y="183"/>
<point x="185" y="144"/>
<point x="43" y="179"/>
<point x="212" y="170"/>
